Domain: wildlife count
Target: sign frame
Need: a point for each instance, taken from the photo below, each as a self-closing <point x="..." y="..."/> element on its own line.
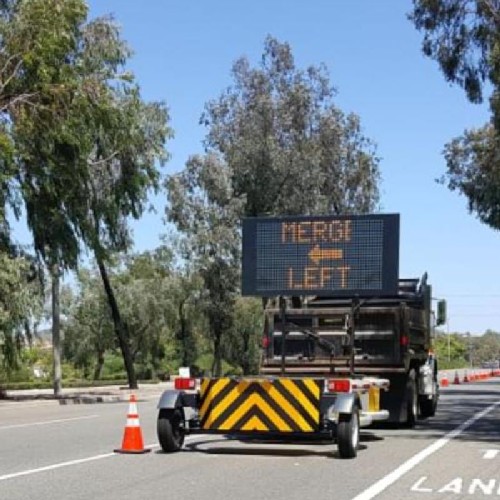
<point x="388" y="256"/>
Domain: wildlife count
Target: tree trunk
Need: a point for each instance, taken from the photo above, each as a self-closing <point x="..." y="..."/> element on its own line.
<point x="56" y="331"/>
<point x="183" y="335"/>
<point x="99" y="365"/>
<point x="245" y="362"/>
<point x="120" y="326"/>
<point x="217" y="364"/>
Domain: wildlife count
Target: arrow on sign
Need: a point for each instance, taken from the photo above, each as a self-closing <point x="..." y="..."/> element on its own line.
<point x="317" y="254"/>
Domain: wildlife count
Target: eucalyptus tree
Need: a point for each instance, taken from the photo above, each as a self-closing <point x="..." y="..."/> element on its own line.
<point x="20" y="305"/>
<point x="89" y="327"/>
<point x="276" y="144"/>
<point x="87" y="157"/>
<point x="289" y="148"/>
<point x="244" y="350"/>
<point x="203" y="207"/>
<point x="463" y="36"/>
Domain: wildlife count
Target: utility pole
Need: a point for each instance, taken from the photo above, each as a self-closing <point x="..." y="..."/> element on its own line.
<point x="449" y="342"/>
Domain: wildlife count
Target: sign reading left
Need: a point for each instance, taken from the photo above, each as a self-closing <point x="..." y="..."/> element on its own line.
<point x="328" y="255"/>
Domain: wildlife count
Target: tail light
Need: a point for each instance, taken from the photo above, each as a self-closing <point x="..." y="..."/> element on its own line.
<point x="184" y="384"/>
<point x="265" y="342"/>
<point x="404" y="341"/>
<point x="339" y="385"/>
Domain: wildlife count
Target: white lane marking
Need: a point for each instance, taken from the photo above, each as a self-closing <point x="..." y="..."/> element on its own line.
<point x="490" y="454"/>
<point x="385" y="482"/>
<point x="60" y="465"/>
<point x="46" y="422"/>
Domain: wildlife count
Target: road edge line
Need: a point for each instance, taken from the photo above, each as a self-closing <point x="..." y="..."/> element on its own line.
<point x="78" y="461"/>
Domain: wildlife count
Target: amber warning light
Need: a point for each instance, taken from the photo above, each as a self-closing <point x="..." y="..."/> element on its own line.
<point x="321" y="255"/>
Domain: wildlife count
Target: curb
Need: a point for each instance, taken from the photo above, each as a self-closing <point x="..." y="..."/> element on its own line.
<point x="89" y="399"/>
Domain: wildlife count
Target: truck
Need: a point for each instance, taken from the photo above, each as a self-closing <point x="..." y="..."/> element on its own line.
<point x="346" y="343"/>
<point x="392" y="339"/>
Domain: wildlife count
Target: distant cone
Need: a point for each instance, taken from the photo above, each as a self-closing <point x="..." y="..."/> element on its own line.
<point x="132" y="436"/>
<point x="466" y="378"/>
<point x="444" y="381"/>
<point x="457" y="379"/>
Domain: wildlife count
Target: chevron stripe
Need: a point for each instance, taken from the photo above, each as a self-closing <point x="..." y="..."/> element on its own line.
<point x="256" y="400"/>
<point x="254" y="424"/>
<point x="212" y="392"/>
<point x="293" y="388"/>
<point x="282" y="405"/>
<point x="221" y="404"/>
<point x="255" y="414"/>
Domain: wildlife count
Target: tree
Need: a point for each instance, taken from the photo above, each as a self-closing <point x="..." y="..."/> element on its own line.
<point x="86" y="157"/>
<point x="464" y="37"/>
<point x="289" y="149"/>
<point x="276" y="144"/>
<point x="20" y="302"/>
<point x="89" y="327"/>
<point x="244" y="350"/>
<point x="451" y="350"/>
<point x="486" y="347"/>
<point x="204" y="209"/>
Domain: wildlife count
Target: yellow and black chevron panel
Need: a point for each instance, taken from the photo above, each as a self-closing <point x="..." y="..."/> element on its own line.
<point x="278" y="405"/>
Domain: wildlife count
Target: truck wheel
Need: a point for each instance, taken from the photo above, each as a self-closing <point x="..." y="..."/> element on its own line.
<point x="428" y="406"/>
<point x="170" y="429"/>
<point x="348" y="434"/>
<point x="411" y="400"/>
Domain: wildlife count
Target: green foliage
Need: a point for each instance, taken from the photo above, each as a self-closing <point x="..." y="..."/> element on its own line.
<point x="451" y="350"/>
<point x="245" y="347"/>
<point x="463" y="36"/>
<point x="20" y="306"/>
<point x="89" y="328"/>
<point x="473" y="169"/>
<point x="276" y="144"/>
<point x="76" y="136"/>
<point x="289" y="149"/>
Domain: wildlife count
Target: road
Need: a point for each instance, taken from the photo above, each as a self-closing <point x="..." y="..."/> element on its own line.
<point x="57" y="452"/>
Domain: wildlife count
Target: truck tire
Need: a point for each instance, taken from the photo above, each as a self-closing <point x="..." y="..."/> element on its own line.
<point x="411" y="400"/>
<point x="428" y="406"/>
<point x="170" y="429"/>
<point x="348" y="434"/>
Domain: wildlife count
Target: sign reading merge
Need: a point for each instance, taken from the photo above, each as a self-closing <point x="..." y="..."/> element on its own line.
<point x="321" y="255"/>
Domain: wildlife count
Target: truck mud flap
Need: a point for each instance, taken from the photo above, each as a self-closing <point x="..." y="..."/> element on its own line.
<point x="281" y="405"/>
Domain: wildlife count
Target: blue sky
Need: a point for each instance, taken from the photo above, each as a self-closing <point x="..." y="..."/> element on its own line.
<point x="183" y="52"/>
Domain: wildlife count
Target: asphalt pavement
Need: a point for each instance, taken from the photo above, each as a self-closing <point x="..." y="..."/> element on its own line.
<point x="54" y="451"/>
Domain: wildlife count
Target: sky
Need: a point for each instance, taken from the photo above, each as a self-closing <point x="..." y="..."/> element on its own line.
<point x="183" y="53"/>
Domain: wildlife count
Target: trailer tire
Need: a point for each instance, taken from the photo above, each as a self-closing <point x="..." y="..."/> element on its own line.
<point x="170" y="429"/>
<point x="411" y="400"/>
<point x="348" y="434"/>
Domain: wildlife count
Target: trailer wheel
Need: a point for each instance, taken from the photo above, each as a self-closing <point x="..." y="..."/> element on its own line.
<point x="411" y="400"/>
<point x="170" y="429"/>
<point x="348" y="434"/>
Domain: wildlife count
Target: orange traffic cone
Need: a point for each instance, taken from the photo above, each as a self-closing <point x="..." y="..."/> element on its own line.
<point x="466" y="378"/>
<point x="457" y="379"/>
<point x="132" y="436"/>
<point x="444" y="381"/>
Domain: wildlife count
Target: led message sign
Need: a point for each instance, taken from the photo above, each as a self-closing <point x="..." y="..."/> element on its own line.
<point x="328" y="255"/>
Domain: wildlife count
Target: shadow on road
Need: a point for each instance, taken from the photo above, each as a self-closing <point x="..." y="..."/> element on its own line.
<point x="267" y="447"/>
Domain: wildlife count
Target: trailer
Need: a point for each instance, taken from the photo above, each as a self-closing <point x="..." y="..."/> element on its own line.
<point x="328" y="366"/>
<point x="287" y="408"/>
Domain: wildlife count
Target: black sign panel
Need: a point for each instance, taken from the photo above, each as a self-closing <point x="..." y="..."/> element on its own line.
<point x="321" y="255"/>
